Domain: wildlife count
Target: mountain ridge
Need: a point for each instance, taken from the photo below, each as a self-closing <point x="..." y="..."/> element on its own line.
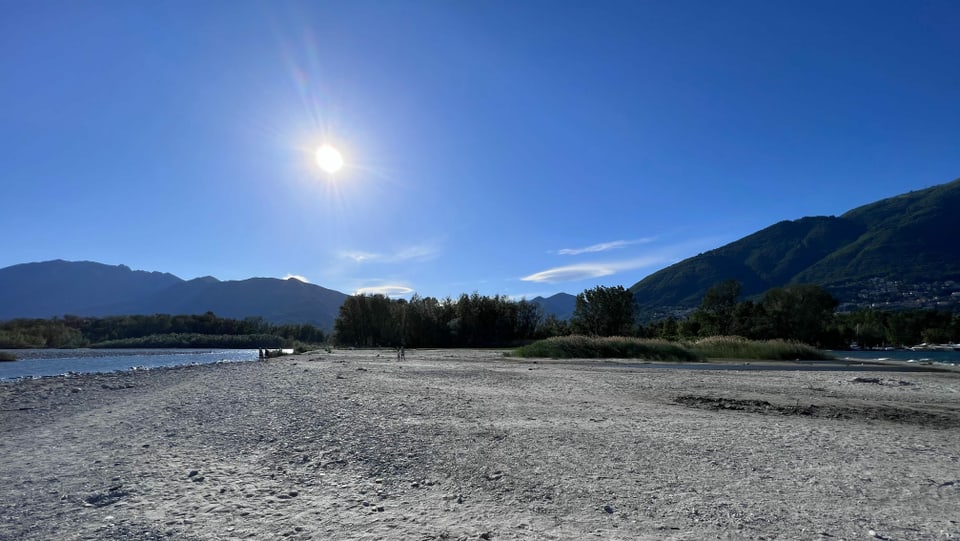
<point x="86" y="288"/>
<point x="901" y="242"/>
<point x="560" y="305"/>
<point x="897" y="252"/>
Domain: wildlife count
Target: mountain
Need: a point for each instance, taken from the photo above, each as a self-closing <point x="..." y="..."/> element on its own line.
<point x="560" y="305"/>
<point x="897" y="252"/>
<point x="84" y="288"/>
<point x="73" y="287"/>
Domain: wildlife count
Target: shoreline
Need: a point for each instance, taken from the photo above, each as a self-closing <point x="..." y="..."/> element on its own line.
<point x="832" y="365"/>
<point x="460" y="444"/>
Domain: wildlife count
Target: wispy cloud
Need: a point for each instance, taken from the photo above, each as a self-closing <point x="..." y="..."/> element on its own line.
<point x="570" y="273"/>
<point x="387" y="290"/>
<point x="421" y="252"/>
<point x="583" y="271"/>
<point x="602" y="247"/>
<point x="418" y="252"/>
<point x="297" y="277"/>
<point x="359" y="257"/>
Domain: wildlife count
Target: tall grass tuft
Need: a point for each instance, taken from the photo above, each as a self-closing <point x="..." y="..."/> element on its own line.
<point x="737" y="347"/>
<point x="612" y="347"/>
<point x="622" y="347"/>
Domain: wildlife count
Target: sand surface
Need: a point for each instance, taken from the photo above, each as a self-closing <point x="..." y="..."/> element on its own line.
<point x="467" y="445"/>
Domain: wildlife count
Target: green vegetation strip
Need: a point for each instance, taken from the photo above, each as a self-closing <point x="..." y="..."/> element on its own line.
<point x="621" y="347"/>
<point x="588" y="347"/>
<point x="736" y="347"/>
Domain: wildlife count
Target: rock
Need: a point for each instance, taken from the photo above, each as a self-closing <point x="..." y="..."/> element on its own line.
<point x="608" y="509"/>
<point x="494" y="476"/>
<point x="102" y="499"/>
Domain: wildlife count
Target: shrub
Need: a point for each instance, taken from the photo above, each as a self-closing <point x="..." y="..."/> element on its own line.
<point x="194" y="340"/>
<point x="621" y="347"/>
<point x="737" y="347"/>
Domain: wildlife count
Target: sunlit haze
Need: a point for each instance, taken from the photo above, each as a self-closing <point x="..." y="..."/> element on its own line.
<point x="438" y="148"/>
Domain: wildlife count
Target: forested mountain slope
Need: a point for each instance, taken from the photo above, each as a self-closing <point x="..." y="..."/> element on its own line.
<point x="897" y="251"/>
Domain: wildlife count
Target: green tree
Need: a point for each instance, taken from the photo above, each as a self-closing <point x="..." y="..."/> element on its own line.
<point x="799" y="312"/>
<point x="553" y="326"/>
<point x="716" y="312"/>
<point x="669" y="330"/>
<point x="604" y="311"/>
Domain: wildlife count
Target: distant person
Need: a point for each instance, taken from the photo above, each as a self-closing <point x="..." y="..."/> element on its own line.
<point x="403" y="354"/>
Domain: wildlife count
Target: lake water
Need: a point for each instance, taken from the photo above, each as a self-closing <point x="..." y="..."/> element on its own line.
<point x="51" y="362"/>
<point x="903" y="355"/>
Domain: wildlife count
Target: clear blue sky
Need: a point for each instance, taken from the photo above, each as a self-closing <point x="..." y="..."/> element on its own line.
<point x="520" y="147"/>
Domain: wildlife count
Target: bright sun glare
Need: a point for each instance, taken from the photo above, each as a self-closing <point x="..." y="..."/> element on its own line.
<point x="329" y="159"/>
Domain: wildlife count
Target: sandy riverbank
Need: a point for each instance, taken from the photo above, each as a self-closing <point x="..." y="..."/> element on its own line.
<point x="467" y="445"/>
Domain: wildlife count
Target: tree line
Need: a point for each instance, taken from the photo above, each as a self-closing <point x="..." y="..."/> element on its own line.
<point x="158" y="330"/>
<point x="468" y="321"/>
<point x="806" y="313"/>
<point x="802" y="313"/>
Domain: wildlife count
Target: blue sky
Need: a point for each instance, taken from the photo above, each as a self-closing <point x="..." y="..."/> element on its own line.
<point x="520" y="148"/>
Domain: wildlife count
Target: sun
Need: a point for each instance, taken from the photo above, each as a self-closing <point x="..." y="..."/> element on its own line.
<point x="329" y="159"/>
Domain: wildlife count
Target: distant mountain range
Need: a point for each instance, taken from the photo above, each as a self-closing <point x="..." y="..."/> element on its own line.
<point x="85" y="288"/>
<point x="894" y="253"/>
<point x="560" y="305"/>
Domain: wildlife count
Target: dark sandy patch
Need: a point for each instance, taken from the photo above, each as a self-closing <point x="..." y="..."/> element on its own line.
<point x="945" y="419"/>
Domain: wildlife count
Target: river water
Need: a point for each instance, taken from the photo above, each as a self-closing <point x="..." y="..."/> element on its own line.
<point x="902" y="355"/>
<point x="32" y="363"/>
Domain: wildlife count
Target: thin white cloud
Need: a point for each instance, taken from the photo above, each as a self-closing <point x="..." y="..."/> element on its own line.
<point x="418" y="252"/>
<point x="360" y="257"/>
<point x="296" y="277"/>
<point x="583" y="271"/>
<point x="570" y="273"/>
<point x="388" y="290"/>
<point x="602" y="247"/>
